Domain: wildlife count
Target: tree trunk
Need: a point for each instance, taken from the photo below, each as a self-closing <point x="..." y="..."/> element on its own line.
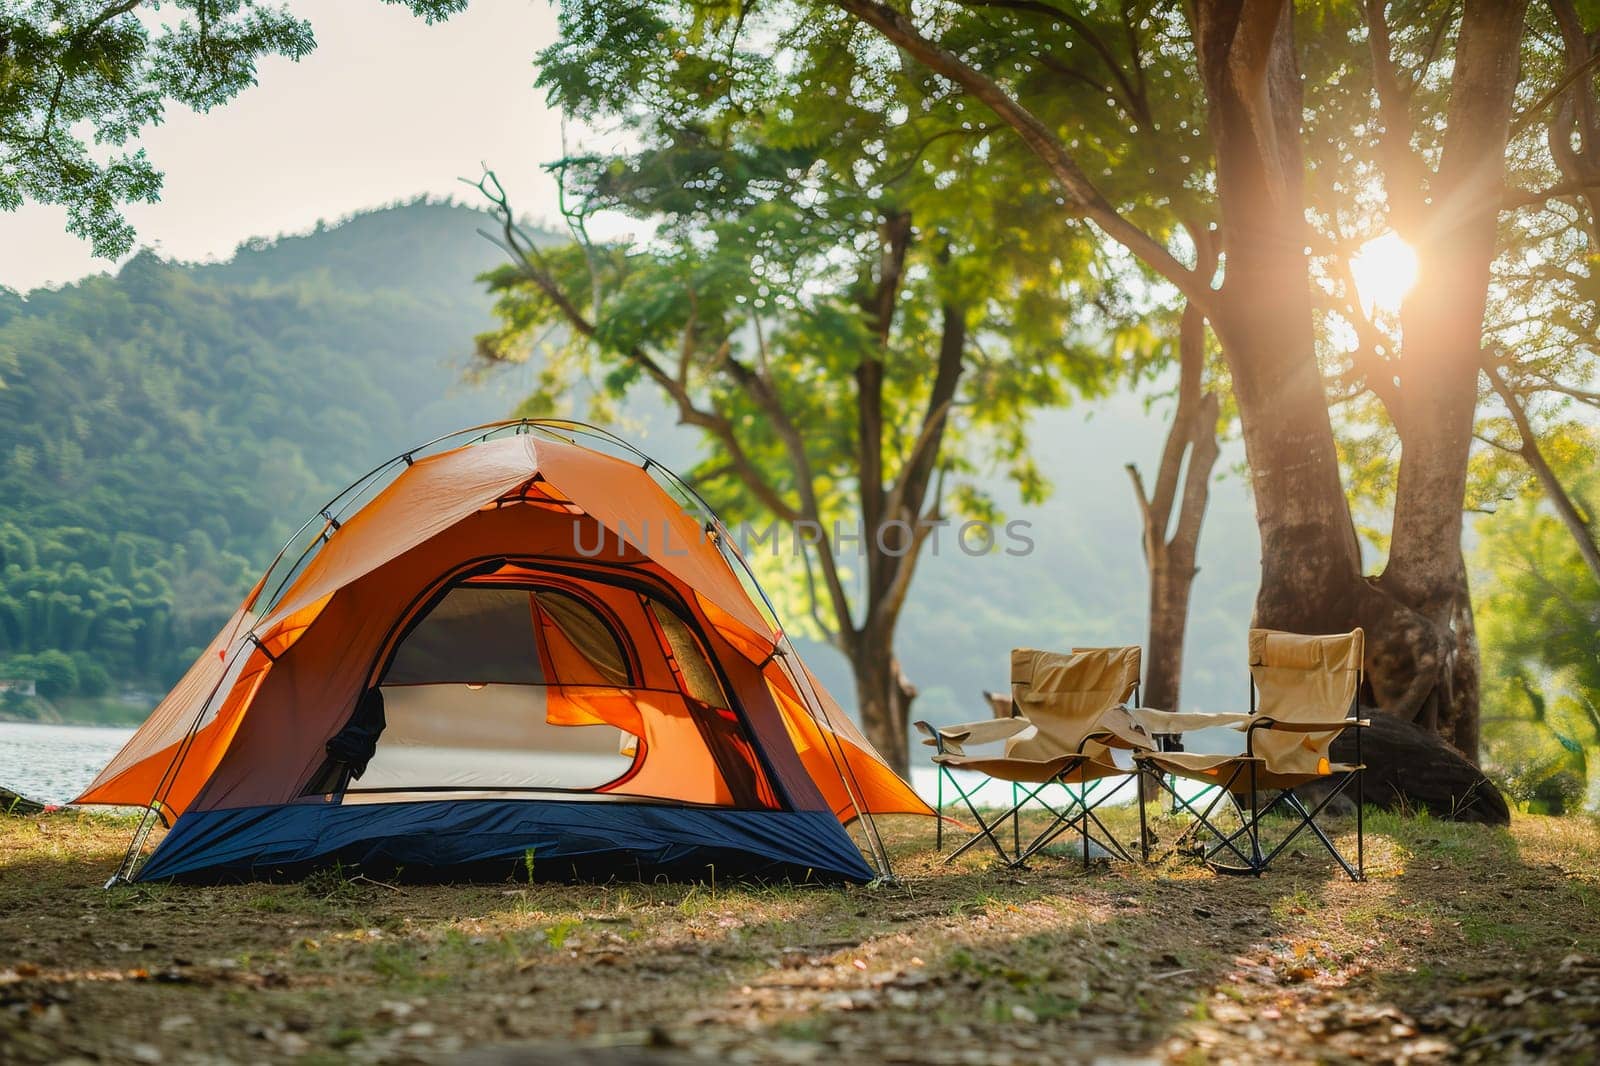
<point x="1311" y="569"/>
<point x="1309" y="557"/>
<point x="885" y="695"/>
<point x="1462" y="718"/>
<point x="1169" y="615"/>
<point x="1264" y="319"/>
<point x="1170" y="561"/>
<point x="1436" y="401"/>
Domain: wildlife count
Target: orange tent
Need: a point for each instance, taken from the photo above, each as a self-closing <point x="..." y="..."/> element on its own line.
<point x="520" y="645"/>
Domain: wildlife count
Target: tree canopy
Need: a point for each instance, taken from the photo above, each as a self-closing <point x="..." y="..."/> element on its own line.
<point x="844" y="280"/>
<point x="80" y="79"/>
<point x="1539" y="605"/>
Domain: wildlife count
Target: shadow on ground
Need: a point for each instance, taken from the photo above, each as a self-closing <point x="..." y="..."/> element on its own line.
<point x="1467" y="943"/>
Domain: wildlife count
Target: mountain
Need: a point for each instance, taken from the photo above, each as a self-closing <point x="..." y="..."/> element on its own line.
<point x="163" y="430"/>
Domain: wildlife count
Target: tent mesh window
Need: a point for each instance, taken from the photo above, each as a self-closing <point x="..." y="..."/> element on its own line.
<point x="465" y="700"/>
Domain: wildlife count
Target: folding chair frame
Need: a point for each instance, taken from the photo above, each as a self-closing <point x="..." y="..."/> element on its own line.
<point x="1255" y="863"/>
<point x="986" y="830"/>
<point x="1065" y="821"/>
<point x="1079" y="811"/>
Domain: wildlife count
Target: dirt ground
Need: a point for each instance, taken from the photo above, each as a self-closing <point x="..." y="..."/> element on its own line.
<point x="1466" y="944"/>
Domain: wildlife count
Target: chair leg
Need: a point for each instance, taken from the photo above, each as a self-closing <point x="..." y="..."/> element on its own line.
<point x="938" y="832"/>
<point x="1016" y="821"/>
<point x="1224" y="841"/>
<point x="1202" y="819"/>
<point x="1084" y="816"/>
<point x="985" y="830"/>
<point x="1061" y="821"/>
<point x="1361" y="806"/>
<point x="1255" y="827"/>
<point x="1084" y="821"/>
<point x="1144" y="827"/>
<point x="1244" y="822"/>
<point x="1218" y="794"/>
<point x="1308" y="821"/>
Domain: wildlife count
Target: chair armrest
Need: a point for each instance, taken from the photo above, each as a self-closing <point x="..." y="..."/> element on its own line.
<point x="1096" y="734"/>
<point x="1273" y="724"/>
<point x="1262" y="722"/>
<point x="1156" y="721"/>
<point x="987" y="731"/>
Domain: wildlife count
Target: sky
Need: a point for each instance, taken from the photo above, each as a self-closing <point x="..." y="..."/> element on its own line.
<point x="386" y="108"/>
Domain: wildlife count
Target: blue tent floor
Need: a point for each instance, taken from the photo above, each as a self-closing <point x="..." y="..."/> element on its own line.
<point x="535" y="839"/>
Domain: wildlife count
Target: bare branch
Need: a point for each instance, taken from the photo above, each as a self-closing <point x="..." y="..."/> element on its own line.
<point x="534" y="269"/>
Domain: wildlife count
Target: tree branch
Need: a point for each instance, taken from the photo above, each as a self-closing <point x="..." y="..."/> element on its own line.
<point x="532" y="267"/>
<point x="1575" y="69"/>
<point x="1150" y="532"/>
<point x="1514" y="199"/>
<point x="760" y="389"/>
<point x="895" y="234"/>
<point x="1577" y="524"/>
<point x="1377" y="373"/>
<point x="1203" y="452"/>
<point x="1403" y="184"/>
<point x="1074" y="184"/>
<point x="1131" y="94"/>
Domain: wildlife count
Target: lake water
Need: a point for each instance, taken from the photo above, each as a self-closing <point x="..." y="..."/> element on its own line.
<point x="53" y="763"/>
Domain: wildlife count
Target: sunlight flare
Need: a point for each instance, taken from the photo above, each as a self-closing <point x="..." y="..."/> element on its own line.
<point x="1384" y="269"/>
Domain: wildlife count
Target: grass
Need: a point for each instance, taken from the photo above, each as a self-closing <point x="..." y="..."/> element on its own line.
<point x="1466" y="943"/>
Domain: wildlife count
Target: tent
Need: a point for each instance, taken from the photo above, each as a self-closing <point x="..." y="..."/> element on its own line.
<point x="526" y="644"/>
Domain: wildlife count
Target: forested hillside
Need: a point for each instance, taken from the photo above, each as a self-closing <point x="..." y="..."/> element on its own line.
<point x="161" y="431"/>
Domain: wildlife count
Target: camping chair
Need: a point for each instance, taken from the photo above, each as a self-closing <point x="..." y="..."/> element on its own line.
<point x="1303" y="692"/>
<point x="1070" y="714"/>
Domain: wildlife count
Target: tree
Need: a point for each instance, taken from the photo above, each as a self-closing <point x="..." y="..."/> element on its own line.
<point x="852" y="298"/>
<point x="1440" y="88"/>
<point x="108" y="68"/>
<point x="56" y="674"/>
<point x="1172" y="512"/>
<point x="1542" y="364"/>
<point x="1540" y="638"/>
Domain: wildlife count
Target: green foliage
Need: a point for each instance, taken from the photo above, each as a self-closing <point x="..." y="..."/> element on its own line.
<point x="163" y="431"/>
<point x="55" y="673"/>
<point x="93" y="680"/>
<point x="778" y="168"/>
<point x="1539" y="626"/>
<point x="76" y="73"/>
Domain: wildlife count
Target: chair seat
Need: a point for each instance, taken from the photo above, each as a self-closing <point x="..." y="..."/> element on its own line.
<point x="1220" y="769"/>
<point x="1068" y="769"/>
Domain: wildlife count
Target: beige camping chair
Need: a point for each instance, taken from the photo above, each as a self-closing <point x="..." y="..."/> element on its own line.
<point x="1070" y="714"/>
<point x="1303" y="692"/>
